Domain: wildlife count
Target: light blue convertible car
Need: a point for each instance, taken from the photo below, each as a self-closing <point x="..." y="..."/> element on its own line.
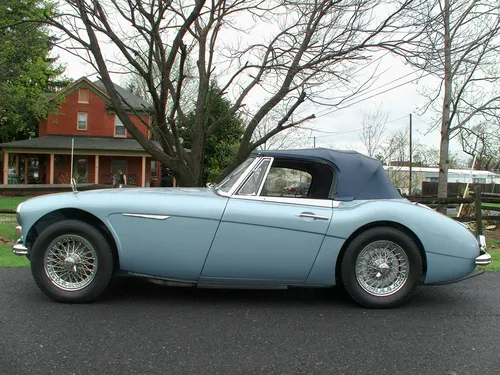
<point x="349" y="226"/>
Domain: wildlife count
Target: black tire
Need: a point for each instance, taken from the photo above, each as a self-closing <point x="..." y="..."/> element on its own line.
<point x="103" y="270"/>
<point x="402" y="292"/>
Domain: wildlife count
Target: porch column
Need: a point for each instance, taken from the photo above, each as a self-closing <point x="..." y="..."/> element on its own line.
<point x="96" y="170"/>
<point x="6" y="168"/>
<point x="17" y="165"/>
<point x="51" y="168"/>
<point x="143" y="175"/>
<point x="26" y="170"/>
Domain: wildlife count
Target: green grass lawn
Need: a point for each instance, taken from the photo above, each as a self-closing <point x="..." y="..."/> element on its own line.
<point x="8" y="225"/>
<point x="11" y="202"/>
<point x="8" y="259"/>
<point x="493" y="247"/>
<point x="492" y="204"/>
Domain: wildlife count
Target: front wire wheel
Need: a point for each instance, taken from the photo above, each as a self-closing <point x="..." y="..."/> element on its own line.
<point x="72" y="261"/>
<point x="381" y="267"/>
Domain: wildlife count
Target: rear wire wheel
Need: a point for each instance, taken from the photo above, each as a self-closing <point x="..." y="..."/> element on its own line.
<point x="381" y="268"/>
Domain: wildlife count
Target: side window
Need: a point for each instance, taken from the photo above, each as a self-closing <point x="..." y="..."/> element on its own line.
<point x="252" y="185"/>
<point x="287" y="182"/>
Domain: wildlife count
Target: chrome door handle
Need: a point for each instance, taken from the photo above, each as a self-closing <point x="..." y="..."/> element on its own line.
<point x="313" y="216"/>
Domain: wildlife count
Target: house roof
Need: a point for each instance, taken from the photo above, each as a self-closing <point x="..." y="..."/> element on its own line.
<point x="136" y="102"/>
<point x="358" y="176"/>
<point x="62" y="143"/>
<point x="130" y="98"/>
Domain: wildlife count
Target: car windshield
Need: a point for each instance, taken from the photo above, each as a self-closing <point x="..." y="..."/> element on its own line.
<point x="231" y="179"/>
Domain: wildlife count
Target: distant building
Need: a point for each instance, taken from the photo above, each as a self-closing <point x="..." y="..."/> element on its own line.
<point x="400" y="176"/>
<point x="102" y="145"/>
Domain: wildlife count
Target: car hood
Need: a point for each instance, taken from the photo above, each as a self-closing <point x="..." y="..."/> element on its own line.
<point x="170" y="191"/>
<point x="116" y="196"/>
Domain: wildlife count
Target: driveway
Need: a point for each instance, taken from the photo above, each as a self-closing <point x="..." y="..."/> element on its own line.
<point x="140" y="328"/>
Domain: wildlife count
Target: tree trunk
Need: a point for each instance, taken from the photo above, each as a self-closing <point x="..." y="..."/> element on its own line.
<point x="444" y="160"/>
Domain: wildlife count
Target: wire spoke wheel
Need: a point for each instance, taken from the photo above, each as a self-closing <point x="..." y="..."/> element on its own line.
<point x="382" y="268"/>
<point x="71" y="262"/>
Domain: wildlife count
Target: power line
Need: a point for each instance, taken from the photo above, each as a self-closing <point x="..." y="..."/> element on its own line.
<point x="374" y="95"/>
<point x="355" y="130"/>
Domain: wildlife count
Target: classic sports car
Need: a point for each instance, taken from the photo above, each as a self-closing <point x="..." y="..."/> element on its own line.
<point x="352" y="229"/>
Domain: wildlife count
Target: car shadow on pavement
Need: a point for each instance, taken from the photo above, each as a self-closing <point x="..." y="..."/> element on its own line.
<point x="137" y="290"/>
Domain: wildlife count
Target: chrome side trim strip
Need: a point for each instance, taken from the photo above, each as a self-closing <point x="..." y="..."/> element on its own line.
<point x="145" y="216"/>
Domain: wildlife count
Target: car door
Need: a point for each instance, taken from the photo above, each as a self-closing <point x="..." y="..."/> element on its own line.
<point x="267" y="239"/>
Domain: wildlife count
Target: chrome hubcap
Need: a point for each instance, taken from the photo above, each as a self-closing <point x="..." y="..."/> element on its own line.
<point x="71" y="262"/>
<point x="382" y="268"/>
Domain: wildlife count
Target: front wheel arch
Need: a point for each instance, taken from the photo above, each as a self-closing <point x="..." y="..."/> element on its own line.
<point x="73" y="214"/>
<point x="392" y="224"/>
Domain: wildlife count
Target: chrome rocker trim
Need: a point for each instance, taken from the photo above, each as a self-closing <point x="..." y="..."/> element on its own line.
<point x="19" y="248"/>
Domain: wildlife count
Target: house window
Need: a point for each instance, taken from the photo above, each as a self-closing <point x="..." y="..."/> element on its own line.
<point x="154" y="170"/>
<point x="83" y="95"/>
<point x="82" y="121"/>
<point x="119" y="128"/>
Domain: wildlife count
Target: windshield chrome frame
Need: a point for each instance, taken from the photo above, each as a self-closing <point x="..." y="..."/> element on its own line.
<point x="240" y="180"/>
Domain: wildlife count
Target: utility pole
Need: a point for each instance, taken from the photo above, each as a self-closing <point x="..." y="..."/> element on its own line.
<point x="314" y="138"/>
<point x="409" y="190"/>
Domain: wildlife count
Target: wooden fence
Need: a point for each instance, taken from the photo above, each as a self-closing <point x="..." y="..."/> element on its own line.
<point x="478" y="198"/>
<point x="430" y="188"/>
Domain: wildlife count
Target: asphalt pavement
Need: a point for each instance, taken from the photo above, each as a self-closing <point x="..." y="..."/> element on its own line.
<point x="141" y="328"/>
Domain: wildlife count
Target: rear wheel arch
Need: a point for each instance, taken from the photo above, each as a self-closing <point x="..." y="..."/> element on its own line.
<point x="74" y="214"/>
<point x="376" y="224"/>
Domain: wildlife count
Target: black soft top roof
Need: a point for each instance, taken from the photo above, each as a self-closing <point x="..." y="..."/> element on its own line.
<point x="357" y="176"/>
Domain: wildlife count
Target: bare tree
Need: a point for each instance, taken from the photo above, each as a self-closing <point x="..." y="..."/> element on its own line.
<point x="374" y="128"/>
<point x="306" y="53"/>
<point x="461" y="49"/>
<point x="395" y="152"/>
<point x="482" y="142"/>
<point x="395" y="148"/>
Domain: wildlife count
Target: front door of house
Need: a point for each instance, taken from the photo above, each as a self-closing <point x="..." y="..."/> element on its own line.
<point x="81" y="169"/>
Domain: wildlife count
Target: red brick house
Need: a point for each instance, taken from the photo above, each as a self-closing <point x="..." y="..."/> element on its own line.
<point x="102" y="145"/>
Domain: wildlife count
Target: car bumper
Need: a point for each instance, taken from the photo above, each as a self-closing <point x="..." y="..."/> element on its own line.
<point x="19" y="248"/>
<point x="484" y="258"/>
